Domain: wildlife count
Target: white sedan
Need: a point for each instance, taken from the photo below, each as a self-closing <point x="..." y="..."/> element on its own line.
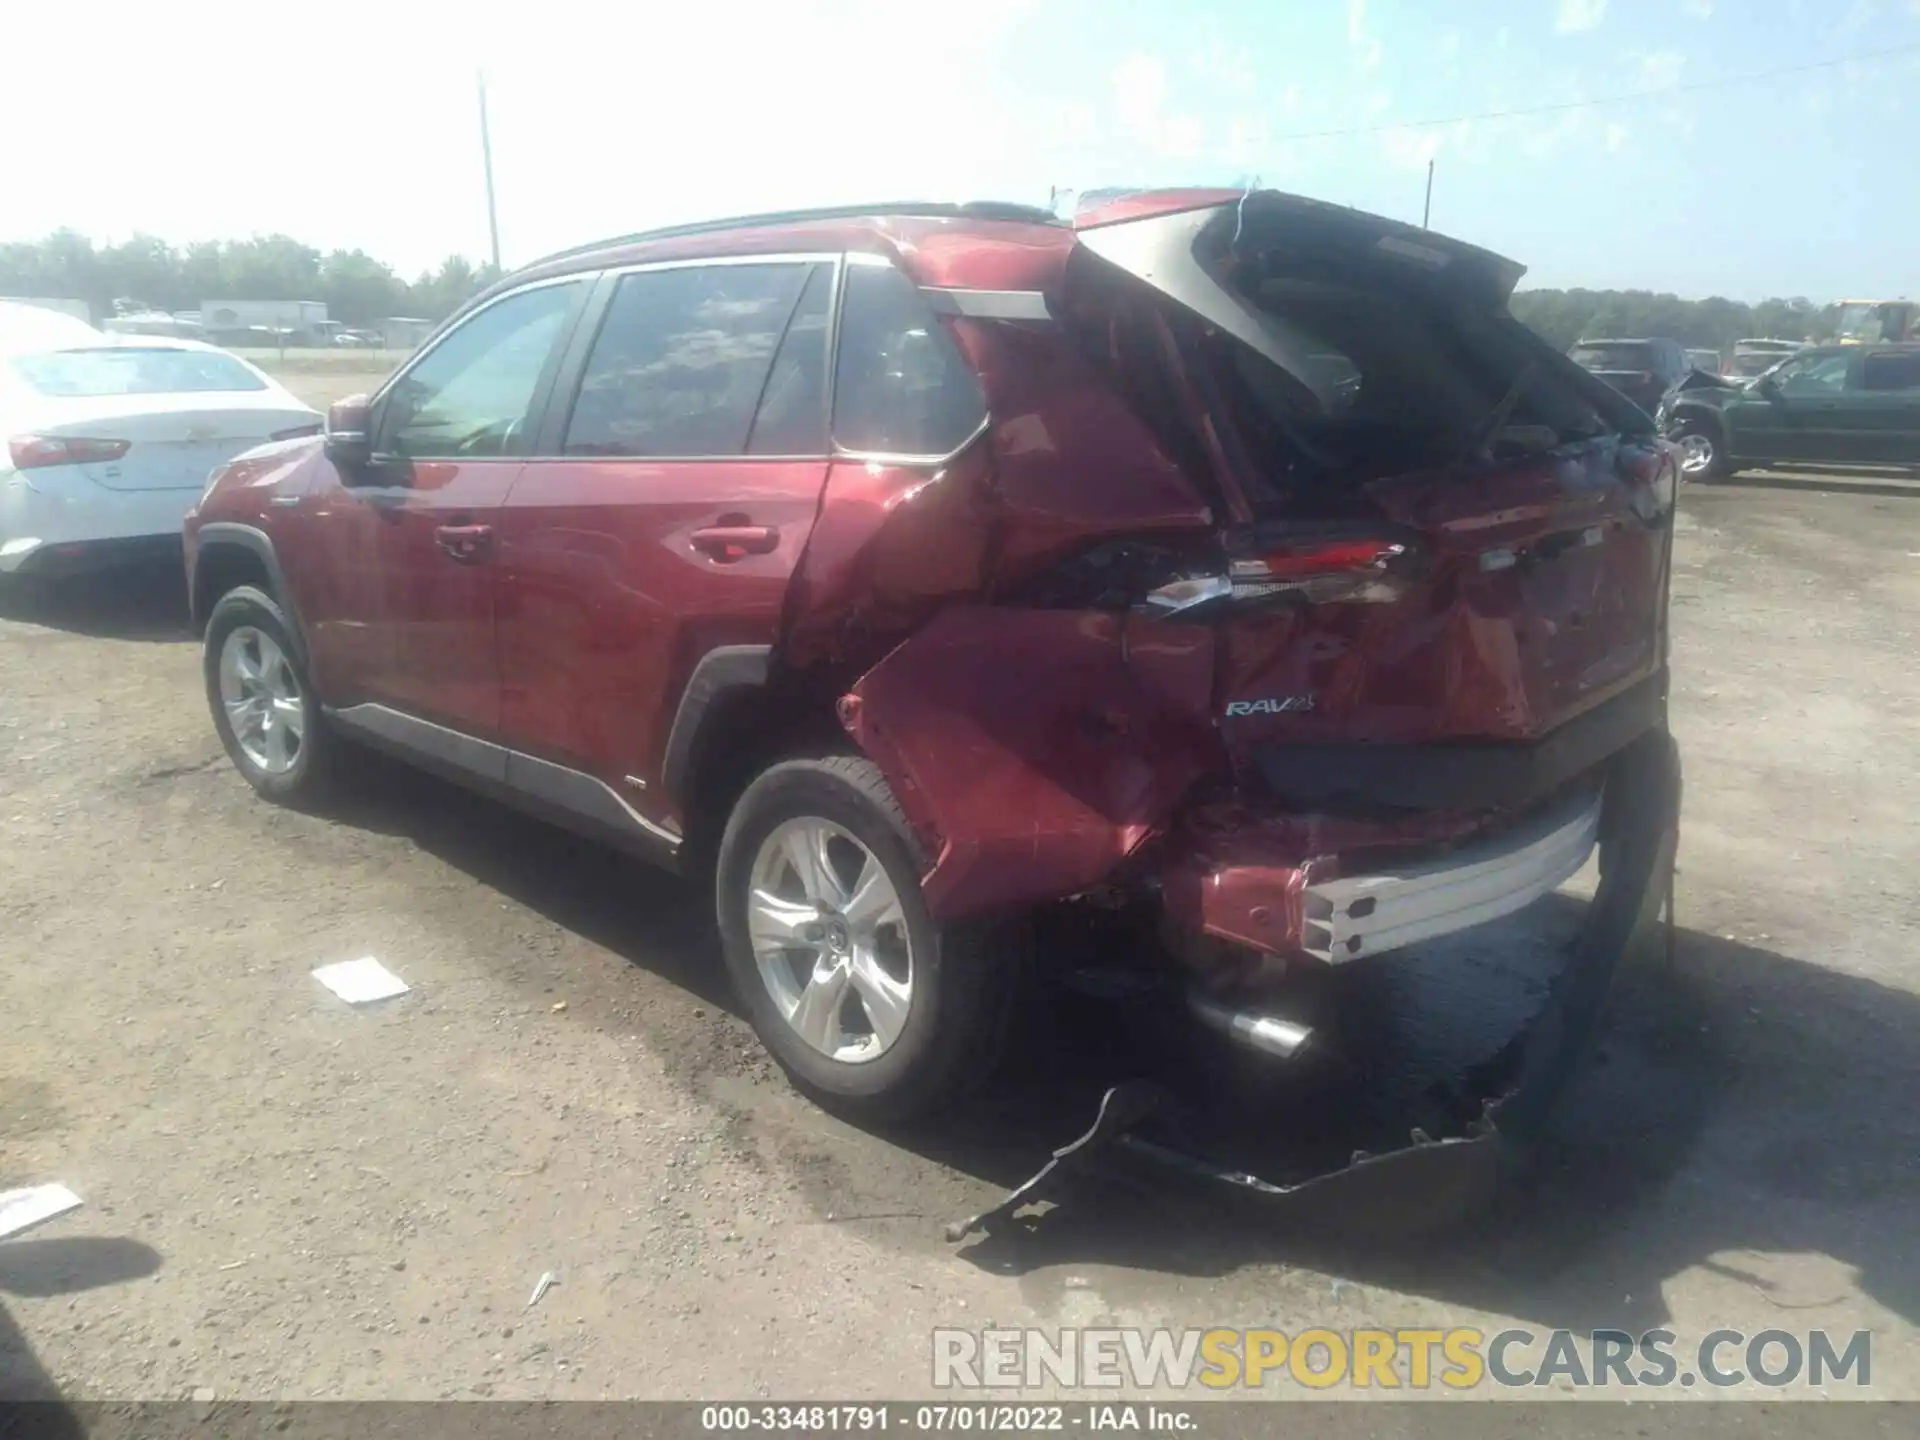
<point x="109" y="441"/>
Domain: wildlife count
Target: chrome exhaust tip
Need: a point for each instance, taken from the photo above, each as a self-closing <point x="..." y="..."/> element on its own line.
<point x="1268" y="1034"/>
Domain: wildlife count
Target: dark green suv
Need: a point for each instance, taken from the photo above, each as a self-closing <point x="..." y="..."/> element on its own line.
<point x="1842" y="404"/>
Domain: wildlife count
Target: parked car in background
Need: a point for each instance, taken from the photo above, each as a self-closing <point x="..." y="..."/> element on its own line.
<point x="110" y="439"/>
<point x="1642" y="370"/>
<point x="1829" y="404"/>
<point x="907" y="570"/>
<point x="1707" y="360"/>
<point x="1753" y="358"/>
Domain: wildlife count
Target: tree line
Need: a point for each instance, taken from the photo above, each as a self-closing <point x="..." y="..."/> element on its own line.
<point x="144" y="272"/>
<point x="360" y="290"/>
<point x="1566" y="316"/>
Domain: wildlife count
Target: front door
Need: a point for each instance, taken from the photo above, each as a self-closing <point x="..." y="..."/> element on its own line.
<point x="1799" y="414"/>
<point x="690" y="430"/>
<point x="411" y="548"/>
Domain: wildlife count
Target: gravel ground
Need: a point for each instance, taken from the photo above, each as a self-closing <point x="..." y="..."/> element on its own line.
<point x="288" y="1197"/>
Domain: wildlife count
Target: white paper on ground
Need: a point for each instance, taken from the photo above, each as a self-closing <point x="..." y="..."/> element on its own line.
<point x="358" y="981"/>
<point x="23" y="1209"/>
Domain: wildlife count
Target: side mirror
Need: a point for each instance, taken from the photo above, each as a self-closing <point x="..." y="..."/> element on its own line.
<point x="349" y="442"/>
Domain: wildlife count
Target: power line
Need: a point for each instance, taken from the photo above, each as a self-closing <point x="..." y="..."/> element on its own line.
<point x="1656" y="94"/>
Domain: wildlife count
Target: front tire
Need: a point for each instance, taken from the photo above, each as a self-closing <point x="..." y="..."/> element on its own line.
<point x="1703" y="451"/>
<point x="263" y="704"/>
<point x="870" y="1006"/>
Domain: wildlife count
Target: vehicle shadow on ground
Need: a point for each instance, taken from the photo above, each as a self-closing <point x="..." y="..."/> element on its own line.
<point x="650" y="918"/>
<point x="1744" y="1102"/>
<point x="136" y="602"/>
<point x="1743" y="1110"/>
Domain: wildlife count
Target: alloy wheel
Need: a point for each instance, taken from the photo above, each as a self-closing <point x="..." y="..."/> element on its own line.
<point x="1696" y="454"/>
<point x="830" y="939"/>
<point x="262" y="698"/>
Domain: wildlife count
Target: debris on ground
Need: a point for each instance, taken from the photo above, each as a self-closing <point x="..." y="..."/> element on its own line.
<point x="359" y="982"/>
<point x="545" y="1283"/>
<point x="23" y="1209"/>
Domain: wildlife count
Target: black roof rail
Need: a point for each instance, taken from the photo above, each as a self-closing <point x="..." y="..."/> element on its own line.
<point x="933" y="209"/>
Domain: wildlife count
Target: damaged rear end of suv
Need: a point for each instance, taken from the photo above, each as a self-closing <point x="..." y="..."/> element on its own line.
<point x="1288" y="593"/>
<point x="1227" y="574"/>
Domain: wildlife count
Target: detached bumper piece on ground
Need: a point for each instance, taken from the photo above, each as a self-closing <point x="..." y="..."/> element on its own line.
<point x="1435" y="1179"/>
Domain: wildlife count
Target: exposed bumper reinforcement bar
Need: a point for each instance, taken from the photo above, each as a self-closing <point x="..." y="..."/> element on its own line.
<point x="1367" y="914"/>
<point x="1516" y="1089"/>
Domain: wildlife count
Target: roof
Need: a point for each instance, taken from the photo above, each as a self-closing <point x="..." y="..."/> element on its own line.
<point x="773" y="219"/>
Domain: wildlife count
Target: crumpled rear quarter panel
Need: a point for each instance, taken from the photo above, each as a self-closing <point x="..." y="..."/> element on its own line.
<point x="1034" y="750"/>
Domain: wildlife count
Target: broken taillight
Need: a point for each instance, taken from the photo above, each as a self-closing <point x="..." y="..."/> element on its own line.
<point x="1317" y="570"/>
<point x="1323" y="570"/>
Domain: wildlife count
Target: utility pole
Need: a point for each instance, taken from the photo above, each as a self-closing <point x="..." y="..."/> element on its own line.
<point x="1426" y="210"/>
<point x="486" y="158"/>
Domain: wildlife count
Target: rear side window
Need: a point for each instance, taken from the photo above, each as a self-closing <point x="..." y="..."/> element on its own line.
<point x="1613" y="357"/>
<point x="682" y="360"/>
<point x="901" y="387"/>
<point x="1891" y="372"/>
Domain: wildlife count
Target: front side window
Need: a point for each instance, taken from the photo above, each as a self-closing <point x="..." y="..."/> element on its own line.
<point x="900" y="386"/>
<point x="1891" y="372"/>
<point x="684" y="357"/>
<point x="469" y="396"/>
<point x="1813" y="374"/>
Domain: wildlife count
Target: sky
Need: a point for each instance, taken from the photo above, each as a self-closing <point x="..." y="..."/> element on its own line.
<point x="355" y="125"/>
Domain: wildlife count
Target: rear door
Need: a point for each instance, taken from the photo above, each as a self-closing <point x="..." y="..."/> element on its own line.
<point x="1884" y="408"/>
<point x="677" y="479"/>
<point x="402" y="568"/>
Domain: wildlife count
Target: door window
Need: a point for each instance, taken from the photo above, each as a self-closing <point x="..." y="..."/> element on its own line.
<point x="684" y="356"/>
<point x="468" y="397"/>
<point x="1899" y="371"/>
<point x="901" y="387"/>
<point x="1813" y="374"/>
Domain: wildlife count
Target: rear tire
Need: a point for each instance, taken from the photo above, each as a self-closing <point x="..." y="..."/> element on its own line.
<point x="264" y="707"/>
<point x="871" y="1007"/>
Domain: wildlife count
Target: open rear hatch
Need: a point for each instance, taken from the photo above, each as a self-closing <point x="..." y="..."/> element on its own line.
<point x="1436" y="532"/>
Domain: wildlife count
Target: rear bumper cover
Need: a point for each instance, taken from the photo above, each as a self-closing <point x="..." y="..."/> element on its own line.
<point x="55" y="518"/>
<point x="1513" y="1093"/>
<point x="1460" y="776"/>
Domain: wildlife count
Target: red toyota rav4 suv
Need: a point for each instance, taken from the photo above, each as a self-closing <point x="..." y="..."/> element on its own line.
<point x="910" y="568"/>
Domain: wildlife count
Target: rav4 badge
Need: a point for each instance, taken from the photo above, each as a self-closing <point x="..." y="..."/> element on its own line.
<point x="1272" y="705"/>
